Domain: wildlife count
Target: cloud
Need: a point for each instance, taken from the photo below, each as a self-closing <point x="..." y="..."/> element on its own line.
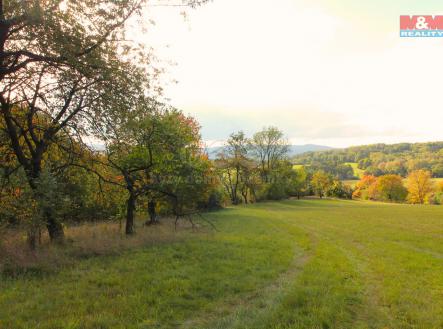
<point x="318" y="72"/>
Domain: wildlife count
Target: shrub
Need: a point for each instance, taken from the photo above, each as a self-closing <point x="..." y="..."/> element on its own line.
<point x="340" y="190"/>
<point x="276" y="191"/>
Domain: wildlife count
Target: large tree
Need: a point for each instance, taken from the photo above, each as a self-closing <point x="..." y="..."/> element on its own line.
<point x="269" y="147"/>
<point x="61" y="66"/>
<point x="64" y="65"/>
<point x="388" y="188"/>
<point x="156" y="151"/>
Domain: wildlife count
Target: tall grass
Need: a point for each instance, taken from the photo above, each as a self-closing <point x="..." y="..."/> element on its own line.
<point x="82" y="241"/>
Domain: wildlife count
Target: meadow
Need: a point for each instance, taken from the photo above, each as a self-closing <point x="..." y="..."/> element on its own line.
<point x="291" y="264"/>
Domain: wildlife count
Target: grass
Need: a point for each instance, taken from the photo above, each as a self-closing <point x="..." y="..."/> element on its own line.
<point x="357" y="171"/>
<point x="292" y="264"/>
<point x="83" y="241"/>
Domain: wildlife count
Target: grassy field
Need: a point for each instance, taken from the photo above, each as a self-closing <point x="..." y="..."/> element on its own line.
<point x="357" y="171"/>
<point x="292" y="264"/>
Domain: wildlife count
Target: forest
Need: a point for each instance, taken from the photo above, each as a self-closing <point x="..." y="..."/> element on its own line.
<point x="378" y="159"/>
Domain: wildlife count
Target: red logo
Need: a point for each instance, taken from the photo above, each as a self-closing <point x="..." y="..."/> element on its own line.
<point x="421" y="22"/>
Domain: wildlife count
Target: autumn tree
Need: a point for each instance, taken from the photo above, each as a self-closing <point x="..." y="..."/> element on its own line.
<point x="156" y="151"/>
<point x="363" y="186"/>
<point x="72" y="63"/>
<point x="61" y="67"/>
<point x="419" y="186"/>
<point x="389" y="188"/>
<point x="320" y="183"/>
<point x="182" y="175"/>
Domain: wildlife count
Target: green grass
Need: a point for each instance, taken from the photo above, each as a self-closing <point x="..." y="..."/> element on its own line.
<point x="357" y="171"/>
<point x="292" y="264"/>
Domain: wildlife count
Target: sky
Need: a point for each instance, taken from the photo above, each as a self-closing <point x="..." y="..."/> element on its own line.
<point x="325" y="72"/>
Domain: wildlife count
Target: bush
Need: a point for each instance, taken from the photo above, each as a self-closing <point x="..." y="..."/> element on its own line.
<point x="216" y="200"/>
<point x="340" y="190"/>
<point x="277" y="191"/>
<point x="436" y="198"/>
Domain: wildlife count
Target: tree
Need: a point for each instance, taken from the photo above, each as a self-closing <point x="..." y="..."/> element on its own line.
<point x="233" y="163"/>
<point x="389" y="188"/>
<point x="61" y="67"/>
<point x="419" y="186"/>
<point x="269" y="147"/>
<point x="363" y="186"/>
<point x="155" y="149"/>
<point x="300" y="181"/>
<point x="250" y="180"/>
<point x="339" y="190"/>
<point x="187" y="183"/>
<point x="320" y="183"/>
<point x="67" y="64"/>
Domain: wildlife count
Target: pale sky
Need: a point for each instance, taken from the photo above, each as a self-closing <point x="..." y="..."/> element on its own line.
<point x="325" y="72"/>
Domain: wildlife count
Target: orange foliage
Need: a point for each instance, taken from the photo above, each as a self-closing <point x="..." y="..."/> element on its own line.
<point x="364" y="185"/>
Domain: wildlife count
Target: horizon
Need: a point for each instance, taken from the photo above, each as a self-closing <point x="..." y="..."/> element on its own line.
<point x="335" y="74"/>
<point x="332" y="147"/>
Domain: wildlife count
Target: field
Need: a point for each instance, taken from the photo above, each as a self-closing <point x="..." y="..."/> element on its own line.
<point x="357" y="171"/>
<point x="291" y="264"/>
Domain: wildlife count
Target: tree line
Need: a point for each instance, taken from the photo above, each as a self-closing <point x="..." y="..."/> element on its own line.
<point x="70" y="74"/>
<point x="378" y="159"/>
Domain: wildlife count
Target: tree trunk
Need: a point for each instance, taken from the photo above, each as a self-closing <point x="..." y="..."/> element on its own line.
<point x="152" y="213"/>
<point x="245" y="196"/>
<point x="55" y="229"/>
<point x="32" y="240"/>
<point x="130" y="214"/>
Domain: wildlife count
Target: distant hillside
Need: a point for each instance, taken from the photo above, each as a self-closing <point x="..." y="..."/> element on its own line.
<point x="293" y="149"/>
<point x="300" y="149"/>
<point x="377" y="159"/>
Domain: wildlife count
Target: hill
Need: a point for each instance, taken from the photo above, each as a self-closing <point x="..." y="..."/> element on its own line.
<point x="293" y="149"/>
<point x="377" y="159"/>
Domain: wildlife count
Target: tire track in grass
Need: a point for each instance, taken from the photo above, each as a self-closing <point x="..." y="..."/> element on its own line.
<point x="372" y="314"/>
<point x="340" y="269"/>
<point x="244" y="311"/>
